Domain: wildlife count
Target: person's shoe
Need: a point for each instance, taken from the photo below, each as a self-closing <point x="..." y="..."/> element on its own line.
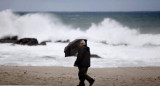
<point x="81" y="84"/>
<point x="91" y="82"/>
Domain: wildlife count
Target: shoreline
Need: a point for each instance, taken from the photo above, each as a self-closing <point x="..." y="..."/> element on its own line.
<point x="68" y="76"/>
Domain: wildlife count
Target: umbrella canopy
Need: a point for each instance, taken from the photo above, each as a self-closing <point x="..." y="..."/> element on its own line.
<point x="72" y="48"/>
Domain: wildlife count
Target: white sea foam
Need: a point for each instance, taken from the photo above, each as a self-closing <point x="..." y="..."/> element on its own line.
<point x="53" y="55"/>
<point x="49" y="27"/>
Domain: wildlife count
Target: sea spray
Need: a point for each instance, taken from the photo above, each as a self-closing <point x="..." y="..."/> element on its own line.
<point x="114" y="33"/>
<point x="45" y="26"/>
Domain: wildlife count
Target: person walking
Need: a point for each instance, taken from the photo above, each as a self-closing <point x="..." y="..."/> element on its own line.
<point x="83" y="63"/>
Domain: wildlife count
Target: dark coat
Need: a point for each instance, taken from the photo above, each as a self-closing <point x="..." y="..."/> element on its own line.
<point x="83" y="57"/>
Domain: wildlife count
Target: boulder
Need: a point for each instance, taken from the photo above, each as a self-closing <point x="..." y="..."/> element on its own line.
<point x="120" y="44"/>
<point x="47" y="41"/>
<point x="95" y="56"/>
<point x="43" y="43"/>
<point x="27" y="41"/>
<point x="63" y="41"/>
<point x="23" y="41"/>
<point x="104" y="42"/>
<point x="9" y="39"/>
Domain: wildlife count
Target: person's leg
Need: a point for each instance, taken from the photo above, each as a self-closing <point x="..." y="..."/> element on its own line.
<point x="88" y="78"/>
<point x="81" y="75"/>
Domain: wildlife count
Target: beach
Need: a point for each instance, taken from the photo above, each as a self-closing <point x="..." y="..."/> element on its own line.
<point x="67" y="76"/>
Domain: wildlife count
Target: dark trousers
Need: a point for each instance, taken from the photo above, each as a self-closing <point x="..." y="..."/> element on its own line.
<point x="83" y="75"/>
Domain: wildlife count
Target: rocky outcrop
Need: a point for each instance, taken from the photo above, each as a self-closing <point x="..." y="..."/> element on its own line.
<point x="95" y="56"/>
<point x="27" y="41"/>
<point x="9" y="39"/>
<point x="63" y="41"/>
<point x="23" y="41"/>
<point x="43" y="43"/>
<point x="118" y="44"/>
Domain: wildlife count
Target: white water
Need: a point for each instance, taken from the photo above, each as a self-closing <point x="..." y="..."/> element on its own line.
<point x="53" y="55"/>
<point x="49" y="27"/>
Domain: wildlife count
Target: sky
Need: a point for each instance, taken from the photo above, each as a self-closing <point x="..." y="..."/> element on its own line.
<point x="80" y="5"/>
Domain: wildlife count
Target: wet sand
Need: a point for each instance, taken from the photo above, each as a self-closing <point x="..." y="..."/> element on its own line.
<point x="67" y="76"/>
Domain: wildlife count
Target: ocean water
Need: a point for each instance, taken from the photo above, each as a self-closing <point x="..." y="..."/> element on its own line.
<point x="145" y="22"/>
<point x="107" y="32"/>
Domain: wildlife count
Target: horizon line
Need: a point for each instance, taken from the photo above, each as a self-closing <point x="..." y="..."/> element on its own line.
<point x="85" y="11"/>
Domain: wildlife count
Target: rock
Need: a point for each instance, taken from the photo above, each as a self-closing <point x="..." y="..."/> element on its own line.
<point x="27" y="41"/>
<point x="43" y="43"/>
<point x="104" y="42"/>
<point x="14" y="38"/>
<point x="124" y="44"/>
<point x="158" y="77"/>
<point x="95" y="56"/>
<point x="47" y="41"/>
<point x="151" y="45"/>
<point x="23" y="41"/>
<point x="118" y="44"/>
<point x="9" y="39"/>
<point x="63" y="41"/>
<point x="25" y="72"/>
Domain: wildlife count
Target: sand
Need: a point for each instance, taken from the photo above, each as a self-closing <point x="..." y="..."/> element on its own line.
<point x="67" y="76"/>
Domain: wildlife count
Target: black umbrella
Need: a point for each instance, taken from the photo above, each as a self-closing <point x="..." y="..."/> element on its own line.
<point x="72" y="48"/>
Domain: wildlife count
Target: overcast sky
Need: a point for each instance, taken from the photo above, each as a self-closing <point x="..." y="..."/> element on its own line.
<point x="80" y="5"/>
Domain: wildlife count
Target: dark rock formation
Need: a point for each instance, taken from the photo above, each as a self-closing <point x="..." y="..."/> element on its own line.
<point x="104" y="42"/>
<point x="43" y="43"/>
<point x="95" y="56"/>
<point x="124" y="44"/>
<point x="47" y="41"/>
<point x="63" y="41"/>
<point x="9" y="39"/>
<point x="27" y="41"/>
<point x="119" y="44"/>
<point x="151" y="45"/>
<point x="23" y="41"/>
